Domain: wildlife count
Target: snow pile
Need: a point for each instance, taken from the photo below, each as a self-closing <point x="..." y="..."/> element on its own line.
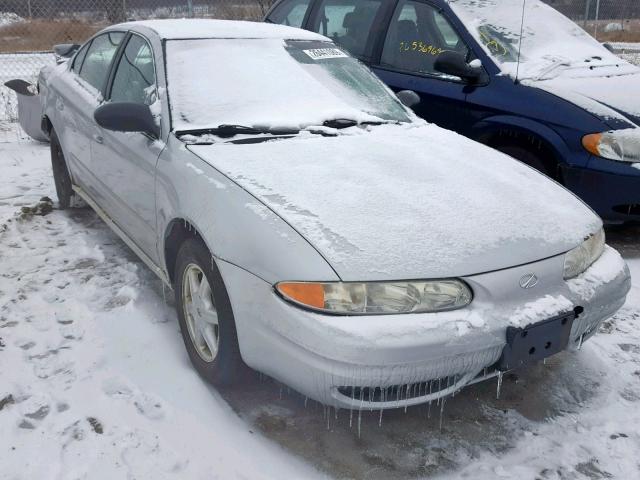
<point x="7" y="18"/>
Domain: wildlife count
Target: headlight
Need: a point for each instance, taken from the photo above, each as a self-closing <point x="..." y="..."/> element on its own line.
<point x="620" y="145"/>
<point x="580" y="258"/>
<point x="377" y="298"/>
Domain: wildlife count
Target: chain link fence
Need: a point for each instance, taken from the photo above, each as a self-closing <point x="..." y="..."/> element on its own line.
<point x="29" y="28"/>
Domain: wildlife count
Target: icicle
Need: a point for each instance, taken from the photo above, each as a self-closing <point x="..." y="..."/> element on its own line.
<point x="328" y="417"/>
<point x="380" y="419"/>
<point x="335" y="413"/>
<point x="164" y="295"/>
<point x="499" y="385"/>
<point x="353" y="398"/>
<point x="580" y="344"/>
<point x="442" y="411"/>
<point x="544" y="361"/>
<point x="359" y="422"/>
<point x="306" y="399"/>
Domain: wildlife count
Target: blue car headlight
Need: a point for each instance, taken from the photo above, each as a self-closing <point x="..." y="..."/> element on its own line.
<point x="619" y="145"/>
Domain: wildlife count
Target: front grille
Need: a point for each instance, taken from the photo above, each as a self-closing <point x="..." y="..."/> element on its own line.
<point x="397" y="393"/>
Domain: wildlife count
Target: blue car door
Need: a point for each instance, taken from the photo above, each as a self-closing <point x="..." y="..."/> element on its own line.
<point x="417" y="33"/>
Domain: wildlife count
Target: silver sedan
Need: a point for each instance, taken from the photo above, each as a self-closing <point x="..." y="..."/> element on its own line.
<point x="310" y="225"/>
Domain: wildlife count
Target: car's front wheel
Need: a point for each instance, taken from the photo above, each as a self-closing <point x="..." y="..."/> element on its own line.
<point x="66" y="196"/>
<point x="205" y="315"/>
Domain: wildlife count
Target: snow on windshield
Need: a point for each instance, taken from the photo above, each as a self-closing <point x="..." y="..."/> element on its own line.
<point x="550" y="41"/>
<point x="271" y="83"/>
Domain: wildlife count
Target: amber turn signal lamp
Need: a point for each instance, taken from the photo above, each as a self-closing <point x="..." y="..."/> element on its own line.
<point x="308" y="294"/>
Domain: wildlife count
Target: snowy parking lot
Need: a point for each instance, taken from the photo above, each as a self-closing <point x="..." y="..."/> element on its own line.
<point x="95" y="382"/>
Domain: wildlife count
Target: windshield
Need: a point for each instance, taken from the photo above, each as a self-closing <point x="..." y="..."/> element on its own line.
<point x="550" y="41"/>
<point x="272" y="83"/>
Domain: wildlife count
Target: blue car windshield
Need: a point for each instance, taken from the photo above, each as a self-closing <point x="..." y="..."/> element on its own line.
<point x="549" y="39"/>
<point x="272" y="83"/>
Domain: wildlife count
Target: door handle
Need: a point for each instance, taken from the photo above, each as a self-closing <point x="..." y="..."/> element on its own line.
<point x="98" y="139"/>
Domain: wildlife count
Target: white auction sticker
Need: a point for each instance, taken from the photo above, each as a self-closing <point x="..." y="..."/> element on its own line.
<point x="322" y="53"/>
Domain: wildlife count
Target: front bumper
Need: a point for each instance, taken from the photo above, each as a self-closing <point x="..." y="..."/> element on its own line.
<point x="611" y="188"/>
<point x="394" y="361"/>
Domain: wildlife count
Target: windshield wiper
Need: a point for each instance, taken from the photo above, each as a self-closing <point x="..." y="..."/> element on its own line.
<point x="339" y="123"/>
<point x="228" y="131"/>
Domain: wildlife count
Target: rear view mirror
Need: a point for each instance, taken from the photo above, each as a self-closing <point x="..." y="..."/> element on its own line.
<point x="64" y="51"/>
<point x="126" y="117"/>
<point x="409" y="98"/>
<point x="453" y="63"/>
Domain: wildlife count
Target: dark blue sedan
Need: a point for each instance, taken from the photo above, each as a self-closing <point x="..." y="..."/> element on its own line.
<point x="542" y="91"/>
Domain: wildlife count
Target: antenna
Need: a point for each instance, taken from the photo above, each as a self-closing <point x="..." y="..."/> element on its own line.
<point x="524" y="4"/>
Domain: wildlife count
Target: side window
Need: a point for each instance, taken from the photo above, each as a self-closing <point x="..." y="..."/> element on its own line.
<point x="79" y="58"/>
<point x="417" y="35"/>
<point x="347" y="22"/>
<point x="290" y="12"/>
<point x="135" y="77"/>
<point x="98" y="59"/>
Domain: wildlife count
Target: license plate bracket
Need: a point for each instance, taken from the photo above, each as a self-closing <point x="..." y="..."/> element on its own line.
<point x="536" y="342"/>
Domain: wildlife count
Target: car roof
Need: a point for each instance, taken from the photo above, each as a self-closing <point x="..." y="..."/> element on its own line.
<point x="204" y="28"/>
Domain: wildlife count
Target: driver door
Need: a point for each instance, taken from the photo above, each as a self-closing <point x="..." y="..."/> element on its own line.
<point x="417" y="34"/>
<point x="125" y="163"/>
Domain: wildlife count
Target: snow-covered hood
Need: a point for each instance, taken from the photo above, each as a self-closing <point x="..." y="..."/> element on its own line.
<point x="408" y="202"/>
<point x="610" y="98"/>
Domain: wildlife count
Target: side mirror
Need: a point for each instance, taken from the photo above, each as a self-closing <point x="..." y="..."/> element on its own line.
<point x="409" y="98"/>
<point x="64" y="51"/>
<point x="126" y="117"/>
<point x="454" y="63"/>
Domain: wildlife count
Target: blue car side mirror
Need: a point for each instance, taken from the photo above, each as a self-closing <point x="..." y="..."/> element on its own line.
<point x="455" y="64"/>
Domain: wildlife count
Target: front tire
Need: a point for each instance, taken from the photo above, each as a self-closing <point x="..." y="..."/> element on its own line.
<point x="61" y="177"/>
<point x="205" y="315"/>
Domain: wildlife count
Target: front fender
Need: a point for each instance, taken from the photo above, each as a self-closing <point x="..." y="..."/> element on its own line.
<point x="236" y="227"/>
<point x="490" y="126"/>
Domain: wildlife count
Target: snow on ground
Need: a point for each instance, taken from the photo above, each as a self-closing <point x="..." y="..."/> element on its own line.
<point x="7" y="18"/>
<point x="95" y="382"/>
<point x="629" y="51"/>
